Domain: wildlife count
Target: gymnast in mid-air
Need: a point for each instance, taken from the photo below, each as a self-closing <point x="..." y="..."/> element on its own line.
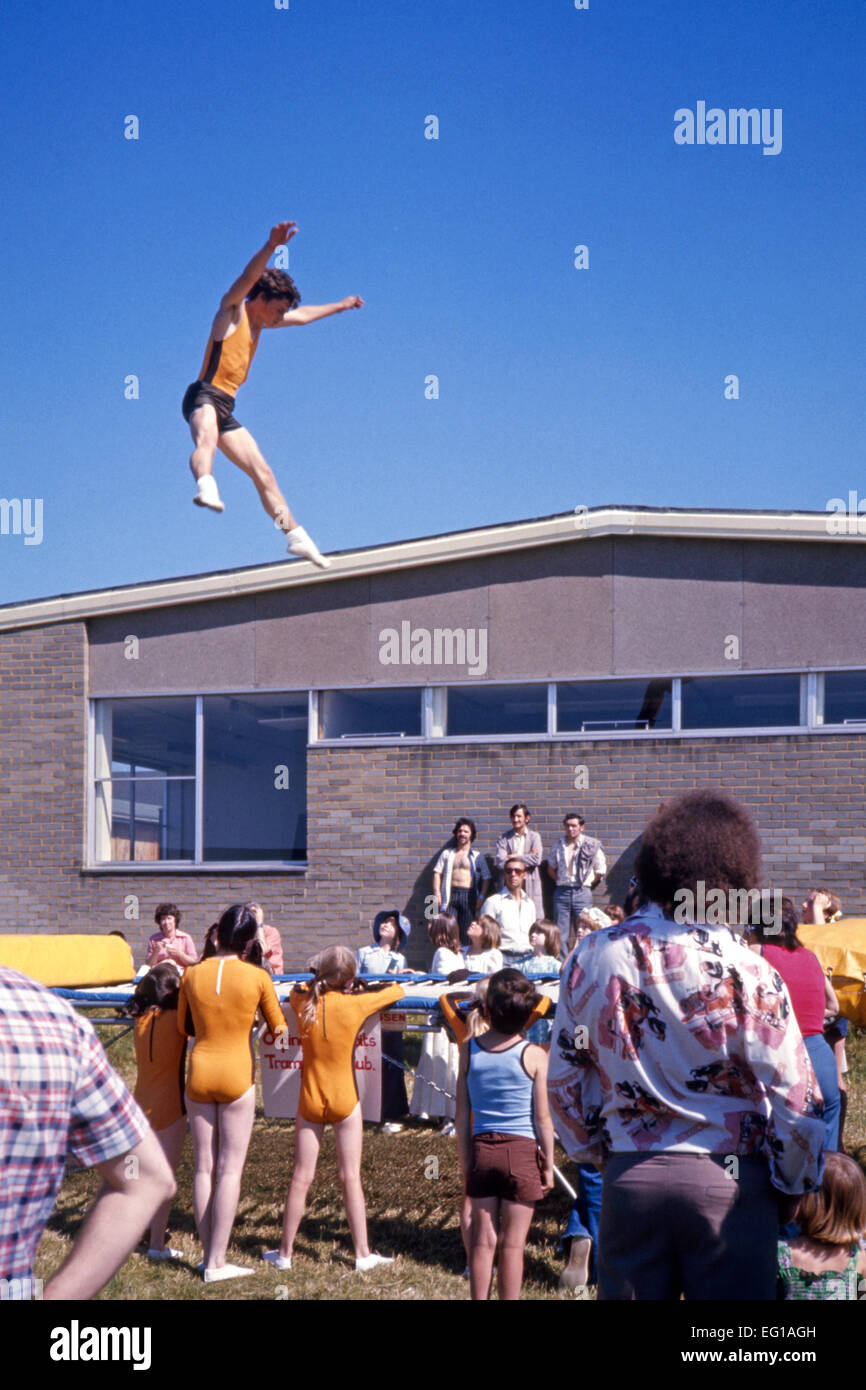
<point x="258" y="299"/>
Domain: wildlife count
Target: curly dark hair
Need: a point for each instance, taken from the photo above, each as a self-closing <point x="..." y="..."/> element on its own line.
<point x="702" y="837"/>
<point x="276" y="284"/>
<point x="167" y="910"/>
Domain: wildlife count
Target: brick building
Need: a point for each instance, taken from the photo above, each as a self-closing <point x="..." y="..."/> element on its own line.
<point x="307" y="739"/>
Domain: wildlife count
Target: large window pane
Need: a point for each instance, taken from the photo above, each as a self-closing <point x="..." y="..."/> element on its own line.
<point x="370" y="714"/>
<point x="845" y="697"/>
<point x="151" y="818"/>
<point x="606" y="706"/>
<point x="497" y="709"/>
<point x="255" y="792"/>
<point x="145" y="786"/>
<point x="740" y="702"/>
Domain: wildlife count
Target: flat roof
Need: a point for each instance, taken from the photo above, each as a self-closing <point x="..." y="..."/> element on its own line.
<point x="580" y="524"/>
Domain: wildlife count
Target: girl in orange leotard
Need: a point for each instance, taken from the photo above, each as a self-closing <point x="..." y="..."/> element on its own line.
<point x="329" y="1017"/>
<point x="222" y="995"/>
<point x="160" y="1052"/>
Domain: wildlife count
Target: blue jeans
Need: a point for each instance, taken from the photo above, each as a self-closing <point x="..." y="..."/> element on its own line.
<point x="824" y="1067"/>
<point x="568" y="903"/>
<point x="585" y="1215"/>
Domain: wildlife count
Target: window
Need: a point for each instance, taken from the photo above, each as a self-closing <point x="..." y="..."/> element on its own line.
<point x="200" y="780"/>
<point x="845" y="697"/>
<point x="370" y="713"/>
<point x="497" y="709"/>
<point x="740" y="702"/>
<point x="145" y="780"/>
<point x="255" y="777"/>
<point x="597" y="707"/>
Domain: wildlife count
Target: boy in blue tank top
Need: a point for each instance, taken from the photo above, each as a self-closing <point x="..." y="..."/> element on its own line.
<point x="505" y="1134"/>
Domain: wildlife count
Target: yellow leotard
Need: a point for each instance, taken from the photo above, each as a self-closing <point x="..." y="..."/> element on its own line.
<point x="222" y="995"/>
<point x="160" y="1052"/>
<point x="227" y="360"/>
<point x="328" y="1089"/>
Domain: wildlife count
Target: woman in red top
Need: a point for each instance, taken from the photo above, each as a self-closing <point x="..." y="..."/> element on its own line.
<point x="811" y="997"/>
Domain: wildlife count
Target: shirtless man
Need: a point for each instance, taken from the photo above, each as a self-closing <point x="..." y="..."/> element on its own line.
<point x="258" y="299"/>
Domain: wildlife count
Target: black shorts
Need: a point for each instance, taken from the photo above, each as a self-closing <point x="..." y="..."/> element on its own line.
<point x="201" y="393"/>
<point x="507" y="1166"/>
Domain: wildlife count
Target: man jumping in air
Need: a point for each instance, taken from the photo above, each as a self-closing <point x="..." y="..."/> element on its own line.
<point x="258" y="299"/>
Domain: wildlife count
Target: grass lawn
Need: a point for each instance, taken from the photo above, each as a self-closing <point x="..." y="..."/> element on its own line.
<point x="412" y="1184"/>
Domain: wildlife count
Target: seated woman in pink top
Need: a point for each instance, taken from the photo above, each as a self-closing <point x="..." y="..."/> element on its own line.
<point x="269" y="938"/>
<point x="168" y="943"/>
<point x="811" y="997"/>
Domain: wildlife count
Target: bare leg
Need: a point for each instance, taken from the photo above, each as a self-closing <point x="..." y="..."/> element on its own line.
<point x="205" y="435"/>
<point x="514" y="1222"/>
<point x="171" y="1142"/>
<point x="308" y="1137"/>
<point x="485" y="1232"/>
<point x="240" y="447"/>
<point x="235" y="1125"/>
<point x="466" y="1226"/>
<point x="243" y="451"/>
<point x="203" y="1127"/>
<point x="349" y="1134"/>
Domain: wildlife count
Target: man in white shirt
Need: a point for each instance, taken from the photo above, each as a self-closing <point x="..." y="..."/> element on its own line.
<point x="576" y="865"/>
<point x="514" y="912"/>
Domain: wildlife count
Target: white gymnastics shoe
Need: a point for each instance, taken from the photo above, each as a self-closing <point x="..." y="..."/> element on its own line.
<point x="165" y="1254"/>
<point x="302" y="544"/>
<point x="215" y="1276"/>
<point x="207" y="494"/>
<point x="367" y="1262"/>
<point x="279" y="1261"/>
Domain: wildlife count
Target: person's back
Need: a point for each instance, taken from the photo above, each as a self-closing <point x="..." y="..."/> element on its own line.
<point x="59" y="1094"/>
<point x="688" y="1026"/>
<point x="328" y="1090"/>
<point x="222" y="994"/>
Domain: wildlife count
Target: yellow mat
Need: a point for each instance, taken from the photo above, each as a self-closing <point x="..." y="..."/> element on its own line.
<point x="68" y="961"/>
<point x="841" y="948"/>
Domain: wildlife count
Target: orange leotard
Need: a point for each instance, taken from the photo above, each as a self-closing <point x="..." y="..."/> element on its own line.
<point x="222" y="995"/>
<point x="160" y="1052"/>
<point x="328" y="1089"/>
<point x="227" y="360"/>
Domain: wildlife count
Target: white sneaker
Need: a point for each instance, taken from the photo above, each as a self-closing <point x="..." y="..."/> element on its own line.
<point x="207" y="494"/>
<point x="367" y="1262"/>
<point x="165" y="1254"/>
<point x="216" y="1276"/>
<point x="279" y="1261"/>
<point x="449" y="1129"/>
<point x="391" y="1127"/>
<point x="302" y="544"/>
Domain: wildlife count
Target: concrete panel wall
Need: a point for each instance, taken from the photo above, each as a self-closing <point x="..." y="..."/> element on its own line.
<point x="619" y="606"/>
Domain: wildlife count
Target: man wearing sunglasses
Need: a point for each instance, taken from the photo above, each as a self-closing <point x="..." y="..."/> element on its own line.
<point x="514" y="911"/>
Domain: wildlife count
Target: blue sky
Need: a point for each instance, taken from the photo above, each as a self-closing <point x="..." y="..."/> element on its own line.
<point x="557" y="387"/>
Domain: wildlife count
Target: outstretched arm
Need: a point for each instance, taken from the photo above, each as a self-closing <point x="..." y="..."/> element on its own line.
<point x="279" y="235"/>
<point x="309" y="313"/>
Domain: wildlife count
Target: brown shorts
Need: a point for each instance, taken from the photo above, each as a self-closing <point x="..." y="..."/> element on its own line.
<point x="506" y="1166"/>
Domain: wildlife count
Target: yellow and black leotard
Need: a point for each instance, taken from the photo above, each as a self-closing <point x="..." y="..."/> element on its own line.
<point x="227" y="360"/>
<point x="222" y="995"/>
<point x="328" y="1090"/>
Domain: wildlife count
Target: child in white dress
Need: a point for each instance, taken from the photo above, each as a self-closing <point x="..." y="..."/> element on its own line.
<point x="483" y="956"/>
<point x="435" y="1090"/>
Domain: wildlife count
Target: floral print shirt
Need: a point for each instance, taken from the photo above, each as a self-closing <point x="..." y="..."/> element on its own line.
<point x="677" y="1038"/>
